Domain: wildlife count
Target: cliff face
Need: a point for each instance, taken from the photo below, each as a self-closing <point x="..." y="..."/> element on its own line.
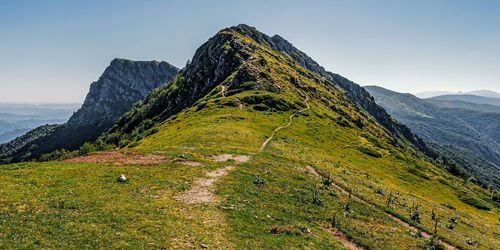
<point x="122" y="84"/>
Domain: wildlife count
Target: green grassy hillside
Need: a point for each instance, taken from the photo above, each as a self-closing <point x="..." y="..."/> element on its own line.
<point x="200" y="174"/>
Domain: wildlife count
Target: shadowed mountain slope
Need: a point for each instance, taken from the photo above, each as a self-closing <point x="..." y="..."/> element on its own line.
<point x="122" y="84"/>
<point x="473" y="130"/>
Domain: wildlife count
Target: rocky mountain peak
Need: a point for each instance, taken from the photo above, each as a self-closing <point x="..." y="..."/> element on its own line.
<point x="123" y="83"/>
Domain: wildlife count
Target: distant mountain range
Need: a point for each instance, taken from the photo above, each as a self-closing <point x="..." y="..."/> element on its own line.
<point x="478" y="132"/>
<point x="121" y="85"/>
<point x="17" y="118"/>
<point x="474" y="102"/>
<point x="484" y="93"/>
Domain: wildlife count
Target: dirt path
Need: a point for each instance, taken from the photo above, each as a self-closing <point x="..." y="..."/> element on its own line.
<point x="346" y="241"/>
<point x="203" y="189"/>
<point x="398" y="220"/>
<point x="241" y="103"/>
<point x="223" y="91"/>
<point x="290" y="119"/>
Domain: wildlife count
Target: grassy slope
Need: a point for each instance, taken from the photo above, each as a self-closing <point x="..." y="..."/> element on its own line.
<point x="58" y="204"/>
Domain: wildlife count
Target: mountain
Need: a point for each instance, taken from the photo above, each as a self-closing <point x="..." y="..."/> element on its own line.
<point x="428" y="94"/>
<point x="17" y="118"/>
<point x="123" y="83"/>
<point x="476" y="131"/>
<point x="464" y="105"/>
<point x="468" y="98"/>
<point x="12" y="134"/>
<point x="471" y="162"/>
<point x="199" y="78"/>
<point x="251" y="145"/>
<point x="483" y="93"/>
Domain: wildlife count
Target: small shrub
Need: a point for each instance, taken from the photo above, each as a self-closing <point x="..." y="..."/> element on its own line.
<point x="230" y="103"/>
<point x="327" y="181"/>
<point x="415" y="214"/>
<point x="432" y="244"/>
<point x="378" y="191"/>
<point x="342" y="122"/>
<point x="449" y="206"/>
<point x="453" y="220"/>
<point x="290" y="230"/>
<point x="260" y="107"/>
<point x="259" y="180"/>
<point x="370" y="152"/>
<point x="473" y="202"/>
<point x="86" y="149"/>
<point x="469" y="241"/>
<point x="418" y="173"/>
<point x="389" y="200"/>
<point x="333" y="220"/>
<point x="315" y="196"/>
<point x="273" y="89"/>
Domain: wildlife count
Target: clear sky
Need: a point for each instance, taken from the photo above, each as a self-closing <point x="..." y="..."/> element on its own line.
<point x="50" y="51"/>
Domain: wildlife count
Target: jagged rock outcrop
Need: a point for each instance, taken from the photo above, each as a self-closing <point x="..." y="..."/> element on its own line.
<point x="123" y="83"/>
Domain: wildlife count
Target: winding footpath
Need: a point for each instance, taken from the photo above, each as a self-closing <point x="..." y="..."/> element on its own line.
<point x="223" y="91"/>
<point x="349" y="243"/>
<point x="202" y="192"/>
<point x="290" y="119"/>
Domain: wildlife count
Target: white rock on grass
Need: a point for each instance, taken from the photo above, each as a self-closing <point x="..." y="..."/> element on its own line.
<point x="122" y="178"/>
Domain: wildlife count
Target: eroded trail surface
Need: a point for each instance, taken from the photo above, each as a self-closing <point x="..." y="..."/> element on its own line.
<point x="226" y="157"/>
<point x="346" y="241"/>
<point x="241" y="103"/>
<point x="202" y="190"/>
<point x="290" y="119"/>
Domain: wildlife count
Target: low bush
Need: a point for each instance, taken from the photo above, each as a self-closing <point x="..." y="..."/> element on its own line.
<point x="477" y="203"/>
<point x="269" y="101"/>
<point x="86" y="149"/>
<point x="370" y="152"/>
<point x="418" y="173"/>
<point x="260" y="107"/>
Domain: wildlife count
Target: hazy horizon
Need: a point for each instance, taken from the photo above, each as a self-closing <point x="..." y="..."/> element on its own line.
<point x="53" y="50"/>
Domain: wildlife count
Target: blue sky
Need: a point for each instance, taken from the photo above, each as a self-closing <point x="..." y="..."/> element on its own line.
<point x="50" y="51"/>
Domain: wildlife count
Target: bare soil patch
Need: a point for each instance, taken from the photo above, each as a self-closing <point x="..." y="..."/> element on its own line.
<point x="202" y="190"/>
<point x="191" y="163"/>
<point x="119" y="158"/>
<point x="226" y="157"/>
